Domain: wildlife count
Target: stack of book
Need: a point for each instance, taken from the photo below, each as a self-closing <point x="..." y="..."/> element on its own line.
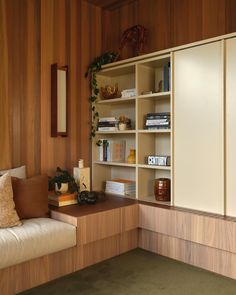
<point x="129" y="92"/>
<point x="112" y="150"/>
<point x="62" y="200"/>
<point x="122" y="187"/>
<point x="157" y="121"/>
<point x="108" y="124"/>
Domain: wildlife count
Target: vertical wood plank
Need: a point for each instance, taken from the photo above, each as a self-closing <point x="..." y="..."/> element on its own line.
<point x="5" y="159"/>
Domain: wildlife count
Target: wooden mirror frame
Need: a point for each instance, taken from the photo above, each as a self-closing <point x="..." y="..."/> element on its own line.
<point x="59" y="100"/>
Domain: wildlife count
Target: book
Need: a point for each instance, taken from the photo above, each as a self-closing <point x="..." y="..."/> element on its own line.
<point x="62" y="203"/>
<point x="107" y="119"/>
<point x="111" y="150"/>
<point x="115" y="128"/>
<point x="63" y="197"/>
<point x="121" y="187"/>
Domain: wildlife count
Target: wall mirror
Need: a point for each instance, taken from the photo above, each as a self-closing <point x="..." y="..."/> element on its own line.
<point x="59" y="100"/>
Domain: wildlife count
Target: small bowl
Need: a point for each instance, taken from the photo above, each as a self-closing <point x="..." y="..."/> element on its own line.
<point x="109" y="92"/>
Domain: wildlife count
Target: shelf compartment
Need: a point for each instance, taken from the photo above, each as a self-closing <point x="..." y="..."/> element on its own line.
<point x="150" y="73"/>
<point x="146" y="180"/>
<point x="130" y="143"/>
<point x="153" y="145"/>
<point x="154" y="167"/>
<point x="102" y="172"/>
<point x="121" y="109"/>
<point x="152" y="105"/>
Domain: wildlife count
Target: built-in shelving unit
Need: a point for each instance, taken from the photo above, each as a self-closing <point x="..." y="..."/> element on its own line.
<point x="144" y="76"/>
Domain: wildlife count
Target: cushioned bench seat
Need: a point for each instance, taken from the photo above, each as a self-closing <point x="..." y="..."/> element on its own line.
<point x="36" y="237"/>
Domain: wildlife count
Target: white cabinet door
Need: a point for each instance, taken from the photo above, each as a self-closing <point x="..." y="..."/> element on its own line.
<point x="198" y="128"/>
<point x="231" y="127"/>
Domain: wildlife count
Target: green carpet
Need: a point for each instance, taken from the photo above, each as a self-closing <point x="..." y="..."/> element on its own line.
<point x="139" y="273"/>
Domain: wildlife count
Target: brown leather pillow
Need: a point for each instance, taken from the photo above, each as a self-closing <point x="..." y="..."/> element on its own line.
<point x="31" y="196"/>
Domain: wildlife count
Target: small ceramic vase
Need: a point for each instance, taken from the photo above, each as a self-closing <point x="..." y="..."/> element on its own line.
<point x="132" y="157"/>
<point x="63" y="189"/>
<point x="122" y="126"/>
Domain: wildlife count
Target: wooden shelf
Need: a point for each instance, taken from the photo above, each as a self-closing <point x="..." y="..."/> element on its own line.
<point x="118" y="100"/>
<point x="154" y="131"/>
<point x="121" y="164"/>
<point x="151" y="199"/>
<point x="117" y="132"/>
<point x="158" y="95"/>
<point x="154" y="167"/>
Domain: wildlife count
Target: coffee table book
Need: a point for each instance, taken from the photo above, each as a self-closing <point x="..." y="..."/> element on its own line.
<point x="62" y="200"/>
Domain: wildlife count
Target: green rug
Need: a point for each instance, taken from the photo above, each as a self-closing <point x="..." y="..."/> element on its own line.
<point x="139" y="273"/>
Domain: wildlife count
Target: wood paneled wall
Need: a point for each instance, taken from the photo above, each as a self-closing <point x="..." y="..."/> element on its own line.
<point x="170" y="22"/>
<point x="35" y="34"/>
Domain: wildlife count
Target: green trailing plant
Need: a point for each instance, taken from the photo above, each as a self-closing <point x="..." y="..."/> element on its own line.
<point x="62" y="176"/>
<point x="93" y="69"/>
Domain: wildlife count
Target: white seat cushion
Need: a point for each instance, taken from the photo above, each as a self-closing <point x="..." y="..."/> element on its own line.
<point x="36" y="237"/>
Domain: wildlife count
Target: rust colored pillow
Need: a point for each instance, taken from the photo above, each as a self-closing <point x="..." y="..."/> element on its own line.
<point x="31" y="196"/>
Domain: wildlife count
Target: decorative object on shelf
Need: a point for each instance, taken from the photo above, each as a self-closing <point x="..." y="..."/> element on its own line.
<point x="59" y="181"/>
<point x="124" y="123"/>
<point x="162" y="189"/>
<point x="59" y="100"/>
<point x="86" y="197"/>
<point x="132" y="157"/>
<point x="158" y="160"/>
<point x="109" y="92"/>
<point x="157" y="121"/>
<point x="126" y="93"/>
<point x="82" y="178"/>
<point x="92" y="70"/>
<point x="136" y="36"/>
<point x="81" y="163"/>
<point x="63" y="187"/>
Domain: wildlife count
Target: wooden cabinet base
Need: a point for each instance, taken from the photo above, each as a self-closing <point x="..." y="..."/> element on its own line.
<point x="212" y="259"/>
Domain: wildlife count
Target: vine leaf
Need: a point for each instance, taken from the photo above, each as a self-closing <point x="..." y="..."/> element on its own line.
<point x="93" y="68"/>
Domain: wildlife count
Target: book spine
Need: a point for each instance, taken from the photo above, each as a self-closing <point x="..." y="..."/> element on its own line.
<point x="105" y="143"/>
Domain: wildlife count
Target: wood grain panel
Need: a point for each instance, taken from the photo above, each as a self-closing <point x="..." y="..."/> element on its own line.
<point x="36" y="34"/>
<point x="155" y="16"/>
<point x="129" y="217"/>
<point x="171" y="22"/>
<point x="213" y="18"/>
<point x="202" y="229"/>
<point x="230" y="16"/>
<point x="128" y="240"/>
<point x="101" y="250"/>
<point x="186" y="21"/>
<point x="5" y="161"/>
<point x="37" y="271"/>
<point x="215" y="260"/>
<point x="59" y="44"/>
<point x="99" y="226"/>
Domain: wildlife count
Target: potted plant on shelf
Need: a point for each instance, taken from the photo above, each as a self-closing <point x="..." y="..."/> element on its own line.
<point x="62" y="182"/>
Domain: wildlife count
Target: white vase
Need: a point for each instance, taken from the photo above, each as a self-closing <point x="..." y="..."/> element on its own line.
<point x="63" y="189"/>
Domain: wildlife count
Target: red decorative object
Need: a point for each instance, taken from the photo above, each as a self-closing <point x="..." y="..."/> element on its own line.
<point x="136" y="36"/>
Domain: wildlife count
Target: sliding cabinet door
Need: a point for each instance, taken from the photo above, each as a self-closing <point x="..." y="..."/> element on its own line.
<point x="231" y="127"/>
<point x="198" y="128"/>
